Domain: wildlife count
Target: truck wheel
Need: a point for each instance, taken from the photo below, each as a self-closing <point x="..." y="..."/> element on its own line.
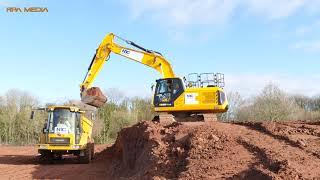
<point x="46" y="157"/>
<point x="87" y="155"/>
<point x="57" y="157"/>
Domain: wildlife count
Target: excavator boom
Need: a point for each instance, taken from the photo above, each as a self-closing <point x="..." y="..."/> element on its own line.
<point x="93" y="95"/>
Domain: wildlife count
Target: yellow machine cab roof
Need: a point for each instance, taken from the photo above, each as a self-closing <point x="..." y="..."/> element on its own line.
<point x="71" y="108"/>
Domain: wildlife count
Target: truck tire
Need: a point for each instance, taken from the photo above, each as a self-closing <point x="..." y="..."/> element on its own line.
<point x="45" y="157"/>
<point x="86" y="159"/>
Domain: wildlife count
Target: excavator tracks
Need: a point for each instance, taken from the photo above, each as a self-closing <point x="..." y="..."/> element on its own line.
<point x="167" y="118"/>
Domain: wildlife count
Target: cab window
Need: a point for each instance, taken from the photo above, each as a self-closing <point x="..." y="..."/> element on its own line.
<point x="168" y="90"/>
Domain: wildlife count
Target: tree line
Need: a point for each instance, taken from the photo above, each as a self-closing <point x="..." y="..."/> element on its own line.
<point x="271" y="104"/>
<point x="16" y="126"/>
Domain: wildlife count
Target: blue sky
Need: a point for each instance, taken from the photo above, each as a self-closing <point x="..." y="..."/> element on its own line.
<point x="253" y="42"/>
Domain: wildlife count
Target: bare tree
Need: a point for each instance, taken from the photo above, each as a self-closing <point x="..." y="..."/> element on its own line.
<point x="16" y="126"/>
<point x="115" y="95"/>
<point x="235" y="102"/>
<point x="273" y="105"/>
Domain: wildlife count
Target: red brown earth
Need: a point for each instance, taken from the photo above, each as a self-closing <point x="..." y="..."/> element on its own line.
<point x="193" y="150"/>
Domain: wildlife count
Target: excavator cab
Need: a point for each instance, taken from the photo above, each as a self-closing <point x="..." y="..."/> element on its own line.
<point x="167" y="91"/>
<point x="198" y="97"/>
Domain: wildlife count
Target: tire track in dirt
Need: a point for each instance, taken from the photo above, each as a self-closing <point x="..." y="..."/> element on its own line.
<point x="20" y="162"/>
<point x="307" y="135"/>
<point x="298" y="128"/>
<point x="301" y="135"/>
<point x="274" y="151"/>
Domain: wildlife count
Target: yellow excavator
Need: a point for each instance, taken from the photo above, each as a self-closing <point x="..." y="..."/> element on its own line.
<point x="196" y="97"/>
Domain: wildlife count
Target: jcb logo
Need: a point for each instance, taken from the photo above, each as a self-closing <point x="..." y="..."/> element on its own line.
<point x="125" y="51"/>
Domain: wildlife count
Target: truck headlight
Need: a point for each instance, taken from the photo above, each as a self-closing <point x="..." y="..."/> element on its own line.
<point x="77" y="138"/>
<point x="76" y="147"/>
<point x="42" y="147"/>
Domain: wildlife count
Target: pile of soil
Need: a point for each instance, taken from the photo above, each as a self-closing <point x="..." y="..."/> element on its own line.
<point x="198" y="150"/>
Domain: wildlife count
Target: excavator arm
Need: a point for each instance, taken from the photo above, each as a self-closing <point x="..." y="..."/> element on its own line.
<point x="93" y="96"/>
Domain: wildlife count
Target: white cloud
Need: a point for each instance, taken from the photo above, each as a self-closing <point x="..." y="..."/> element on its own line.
<point x="188" y="12"/>
<point x="311" y="46"/>
<point x="307" y="31"/>
<point x="275" y="9"/>
<point x="313" y="7"/>
<point x="183" y="12"/>
<point x="253" y="83"/>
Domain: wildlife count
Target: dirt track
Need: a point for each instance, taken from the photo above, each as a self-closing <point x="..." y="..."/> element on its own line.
<point x="187" y="151"/>
<point x="21" y="163"/>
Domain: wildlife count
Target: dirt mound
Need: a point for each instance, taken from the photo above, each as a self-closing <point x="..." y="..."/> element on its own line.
<point x="150" y="150"/>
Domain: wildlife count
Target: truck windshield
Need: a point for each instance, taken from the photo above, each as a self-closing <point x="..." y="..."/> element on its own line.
<point x="62" y="121"/>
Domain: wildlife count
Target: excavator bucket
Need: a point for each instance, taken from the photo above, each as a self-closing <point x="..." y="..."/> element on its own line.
<point x="94" y="97"/>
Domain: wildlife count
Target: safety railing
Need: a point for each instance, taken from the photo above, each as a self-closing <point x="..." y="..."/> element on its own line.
<point x="204" y="80"/>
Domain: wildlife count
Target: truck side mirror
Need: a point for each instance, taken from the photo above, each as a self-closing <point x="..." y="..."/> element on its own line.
<point x="45" y="130"/>
<point x="152" y="87"/>
<point x="93" y="117"/>
<point x="32" y="114"/>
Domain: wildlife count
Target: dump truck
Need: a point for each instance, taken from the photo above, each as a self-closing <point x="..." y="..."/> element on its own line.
<point x="67" y="130"/>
